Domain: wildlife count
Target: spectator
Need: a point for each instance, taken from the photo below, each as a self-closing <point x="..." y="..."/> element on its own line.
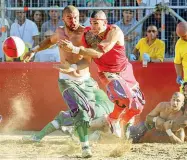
<point x="53" y="23"/>
<point x="170" y="25"/>
<point x="24" y="29"/>
<point x="38" y="17"/>
<point x="84" y="20"/>
<point x="126" y="24"/>
<point x="180" y="60"/>
<point x="49" y="55"/>
<point x="6" y="28"/>
<point x="150" y="47"/>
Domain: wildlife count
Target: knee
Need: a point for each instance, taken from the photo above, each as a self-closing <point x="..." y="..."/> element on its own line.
<point x="116" y="90"/>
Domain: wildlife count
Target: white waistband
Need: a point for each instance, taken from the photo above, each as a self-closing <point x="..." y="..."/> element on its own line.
<point x="66" y="76"/>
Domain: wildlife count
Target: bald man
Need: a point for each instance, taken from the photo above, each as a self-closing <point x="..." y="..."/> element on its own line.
<point x="105" y="44"/>
<point x="75" y="83"/>
<point x="168" y="117"/>
<point x="180" y="59"/>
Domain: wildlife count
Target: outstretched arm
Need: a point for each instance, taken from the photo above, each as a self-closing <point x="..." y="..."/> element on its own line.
<point x="42" y="46"/>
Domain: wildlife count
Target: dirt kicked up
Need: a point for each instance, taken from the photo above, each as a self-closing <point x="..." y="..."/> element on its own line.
<point x="59" y="147"/>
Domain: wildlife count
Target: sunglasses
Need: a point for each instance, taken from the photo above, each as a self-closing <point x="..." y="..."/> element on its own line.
<point x="149" y="31"/>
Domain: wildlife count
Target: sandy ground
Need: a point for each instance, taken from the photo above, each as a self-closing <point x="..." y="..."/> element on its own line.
<point x="59" y="147"/>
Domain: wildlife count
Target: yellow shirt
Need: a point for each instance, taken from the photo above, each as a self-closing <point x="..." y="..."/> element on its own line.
<point x="181" y="55"/>
<point x="155" y="50"/>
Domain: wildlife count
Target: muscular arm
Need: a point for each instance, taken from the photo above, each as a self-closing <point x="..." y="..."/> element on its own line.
<point x="178" y="137"/>
<point x="154" y="113"/>
<point x="46" y="43"/>
<point x="114" y="36"/>
<point x="153" y="118"/>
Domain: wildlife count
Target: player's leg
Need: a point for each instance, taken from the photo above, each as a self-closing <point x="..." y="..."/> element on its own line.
<point x="62" y="119"/>
<point x="80" y="99"/>
<point x="103" y="107"/>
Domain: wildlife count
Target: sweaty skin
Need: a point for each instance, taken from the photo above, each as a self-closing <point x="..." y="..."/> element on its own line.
<point x="170" y="116"/>
<point x="72" y="32"/>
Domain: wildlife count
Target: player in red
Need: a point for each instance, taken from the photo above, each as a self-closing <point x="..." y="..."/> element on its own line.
<point x="105" y="44"/>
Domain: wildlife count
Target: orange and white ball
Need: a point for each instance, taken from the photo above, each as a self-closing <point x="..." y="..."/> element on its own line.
<point x="13" y="47"/>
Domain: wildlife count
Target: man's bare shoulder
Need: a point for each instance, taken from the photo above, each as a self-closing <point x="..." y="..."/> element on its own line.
<point x="164" y="105"/>
<point x="115" y="28"/>
<point x="60" y="29"/>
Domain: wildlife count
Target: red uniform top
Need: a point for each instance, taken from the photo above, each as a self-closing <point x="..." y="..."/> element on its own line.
<point x="114" y="60"/>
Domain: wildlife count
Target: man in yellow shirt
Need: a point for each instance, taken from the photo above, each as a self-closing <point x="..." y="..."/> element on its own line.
<point x="149" y="48"/>
<point x="180" y="60"/>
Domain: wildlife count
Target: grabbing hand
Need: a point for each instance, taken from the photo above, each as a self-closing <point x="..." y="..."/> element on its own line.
<point x="146" y="57"/>
<point x="66" y="45"/>
<point x="168" y="124"/>
<point x="28" y="56"/>
<point x="179" y="80"/>
<point x="132" y="57"/>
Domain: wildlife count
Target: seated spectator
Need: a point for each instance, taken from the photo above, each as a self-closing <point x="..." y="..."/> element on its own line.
<point x="166" y="117"/>
<point x="126" y="24"/>
<point x="83" y="18"/>
<point x="5" y="29"/>
<point x="38" y="17"/>
<point x="170" y="26"/>
<point x="49" y="55"/>
<point x="53" y="23"/>
<point x="151" y="48"/>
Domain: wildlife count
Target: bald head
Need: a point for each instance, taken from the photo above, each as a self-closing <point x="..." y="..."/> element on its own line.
<point x="99" y="15"/>
<point x="178" y="94"/>
<point x="70" y="9"/>
<point x="181" y="29"/>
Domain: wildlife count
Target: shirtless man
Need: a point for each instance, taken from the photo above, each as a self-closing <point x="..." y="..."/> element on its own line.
<point x="167" y="117"/>
<point x="75" y="83"/>
<point x="105" y="44"/>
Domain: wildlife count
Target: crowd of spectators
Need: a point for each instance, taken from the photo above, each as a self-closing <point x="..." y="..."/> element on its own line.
<point x="32" y="26"/>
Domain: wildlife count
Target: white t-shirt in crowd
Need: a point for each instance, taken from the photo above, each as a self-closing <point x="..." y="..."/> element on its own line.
<point x="3" y="38"/>
<point x="26" y="31"/>
<point x="49" y="55"/>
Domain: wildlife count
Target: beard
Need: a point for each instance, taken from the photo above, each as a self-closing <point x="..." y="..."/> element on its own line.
<point x="71" y="27"/>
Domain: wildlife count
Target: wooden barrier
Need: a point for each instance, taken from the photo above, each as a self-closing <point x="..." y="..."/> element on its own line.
<point x="38" y="83"/>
